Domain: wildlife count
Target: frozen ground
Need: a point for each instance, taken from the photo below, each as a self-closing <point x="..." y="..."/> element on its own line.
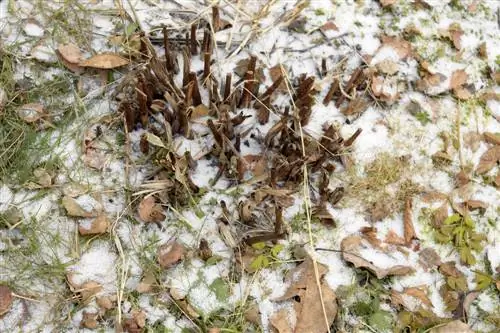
<point x="77" y="252"/>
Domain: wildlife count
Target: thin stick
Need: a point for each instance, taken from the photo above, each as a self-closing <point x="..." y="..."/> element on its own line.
<point x="193" y="42"/>
<point x="329" y="95"/>
<point x="206" y="67"/>
<point x="215" y="18"/>
<point x="227" y="86"/>
<point x="349" y="85"/>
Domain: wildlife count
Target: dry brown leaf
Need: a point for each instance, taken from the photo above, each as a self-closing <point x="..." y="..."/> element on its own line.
<point x="104" y="61"/>
<point x="462" y="93"/>
<point x="386" y="3"/>
<point x="150" y="211"/>
<point x="492" y="138"/>
<point x="329" y="25"/>
<point x="468" y="300"/>
<point x="139" y="317"/>
<point x="275" y="72"/>
<point x="456" y="35"/>
<point x="497" y="179"/>
<point x="170" y="254"/>
<point x="74" y="209"/>
<point x="462" y="178"/>
<point x="105" y="302"/>
<point x="252" y="315"/>
<point x="449" y="269"/>
<point x="200" y="111"/>
<point x="387" y="66"/>
<point x="97" y="227"/>
<point x="280" y="322"/>
<point x="321" y="212"/>
<point x="6" y="299"/>
<point x="409" y="229"/>
<point x="393" y="238"/>
<point x="402" y="47"/>
<point x="94" y="159"/>
<point x="420" y="293"/>
<point x="255" y="164"/>
<point x="488" y="160"/>
<point x="89" y="289"/>
<point x="147" y="282"/>
<point x="439" y="215"/>
<point x="70" y="53"/>
<point x="42" y="177"/>
<point x="89" y="320"/>
<point x="309" y="310"/>
<point x="31" y="112"/>
<point x="350" y="247"/>
<point x="428" y="258"/>
<point x="458" y="78"/>
<point x="476" y="204"/>
<point x="455" y="326"/>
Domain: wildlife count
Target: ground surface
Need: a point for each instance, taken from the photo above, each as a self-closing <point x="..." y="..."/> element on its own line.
<point x="93" y="235"/>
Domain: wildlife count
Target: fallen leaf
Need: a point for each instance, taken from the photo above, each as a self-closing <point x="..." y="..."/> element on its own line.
<point x="329" y="25"/>
<point x="199" y="111"/>
<point x="254" y="164"/>
<point x="456" y="35"/>
<point x="388" y="66"/>
<point x="275" y="72"/>
<point x="428" y="258"/>
<point x="476" y="204"/>
<point x="402" y="47"/>
<point x="458" y="78"/>
<point x="488" y="160"/>
<point x="105" y="302"/>
<point x="393" y="238"/>
<point x="94" y="159"/>
<point x="31" y="112"/>
<point x="147" y="282"/>
<point x="88" y="290"/>
<point x="104" y="61"/>
<point x="150" y="211"/>
<point x="139" y="317"/>
<point x="252" y="315"/>
<point x="492" y="138"/>
<point x="74" y="209"/>
<point x="307" y="294"/>
<point x="42" y="177"/>
<point x="322" y="213"/>
<point x="97" y="227"/>
<point x="429" y="197"/>
<point x="351" y="246"/>
<point x="497" y="179"/>
<point x="455" y="326"/>
<point x="6" y="299"/>
<point x="409" y="229"/>
<point x="380" y="210"/>
<point x="462" y="178"/>
<point x="468" y="299"/>
<point x="420" y="293"/>
<point x="462" y="93"/>
<point x="89" y="320"/>
<point x="70" y="53"/>
<point x="170" y="254"/>
<point x="386" y="3"/>
<point x="280" y="322"/>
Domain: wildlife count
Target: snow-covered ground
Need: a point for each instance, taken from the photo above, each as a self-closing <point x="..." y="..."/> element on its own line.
<point x="427" y="154"/>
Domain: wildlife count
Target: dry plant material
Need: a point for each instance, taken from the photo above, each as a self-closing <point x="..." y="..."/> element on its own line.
<point x="351" y="247"/>
<point x="488" y="160"/>
<point x="204" y="250"/>
<point x="6" y="299"/>
<point x="387" y="3"/>
<point x="455" y="326"/>
<point x="456" y="33"/>
<point x="150" y="211"/>
<point x="97" y="227"/>
<point x="70" y="56"/>
<point x="492" y="138"/>
<point x="32" y="112"/>
<point x="402" y="47"/>
<point x="89" y="320"/>
<point x="312" y="302"/>
<point x="409" y="229"/>
<point x="104" y="61"/>
<point x="428" y="258"/>
<point x="170" y="254"/>
<point x="280" y="322"/>
<point x="88" y="290"/>
<point x="458" y="79"/>
<point x="74" y="209"/>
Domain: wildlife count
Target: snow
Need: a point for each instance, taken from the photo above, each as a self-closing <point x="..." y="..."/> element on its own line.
<point x="33" y="30"/>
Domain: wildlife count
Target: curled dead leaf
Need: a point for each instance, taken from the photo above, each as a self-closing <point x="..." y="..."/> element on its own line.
<point x="88" y="290"/>
<point x="351" y="247"/>
<point x="150" y="211"/>
<point x="311" y="313"/>
<point x="104" y="61"/>
<point x="70" y="53"/>
<point x="458" y="79"/>
<point x="409" y="229"/>
<point x="488" y="160"/>
<point x="492" y="138"/>
<point x="105" y="302"/>
<point x="170" y="254"/>
<point x="6" y="299"/>
<point x="89" y="320"/>
<point x="280" y="322"/>
<point x="31" y="112"/>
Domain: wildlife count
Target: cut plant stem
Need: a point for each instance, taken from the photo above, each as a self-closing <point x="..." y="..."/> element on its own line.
<point x="334" y="88"/>
<point x="349" y="85"/>
<point x="193" y="41"/>
<point x="206" y="67"/>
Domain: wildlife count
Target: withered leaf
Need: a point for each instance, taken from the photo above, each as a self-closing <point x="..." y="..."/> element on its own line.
<point x="6" y="299"/>
<point x="275" y="72"/>
<point x="386" y="3"/>
<point x="420" y="293"/>
<point x="89" y="320"/>
<point x="104" y="61"/>
<point x="170" y="254"/>
<point x="456" y="35"/>
<point x="492" y="138"/>
<point x="74" y="209"/>
<point x="476" y="204"/>
<point x="31" y="112"/>
<point x="488" y="160"/>
<point x="462" y="178"/>
<point x="428" y="258"/>
<point x="393" y="238"/>
<point x="105" y="302"/>
<point x="439" y="215"/>
<point x="150" y="211"/>
<point x="200" y="111"/>
<point x="70" y="53"/>
<point x="455" y="326"/>
<point x="462" y="93"/>
<point x="458" y="78"/>
<point x="402" y="47"/>
<point x="409" y="229"/>
<point x="98" y="226"/>
<point x="280" y="322"/>
<point x="309" y="310"/>
<point x="322" y="213"/>
<point x="351" y="247"/>
<point x="89" y="289"/>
